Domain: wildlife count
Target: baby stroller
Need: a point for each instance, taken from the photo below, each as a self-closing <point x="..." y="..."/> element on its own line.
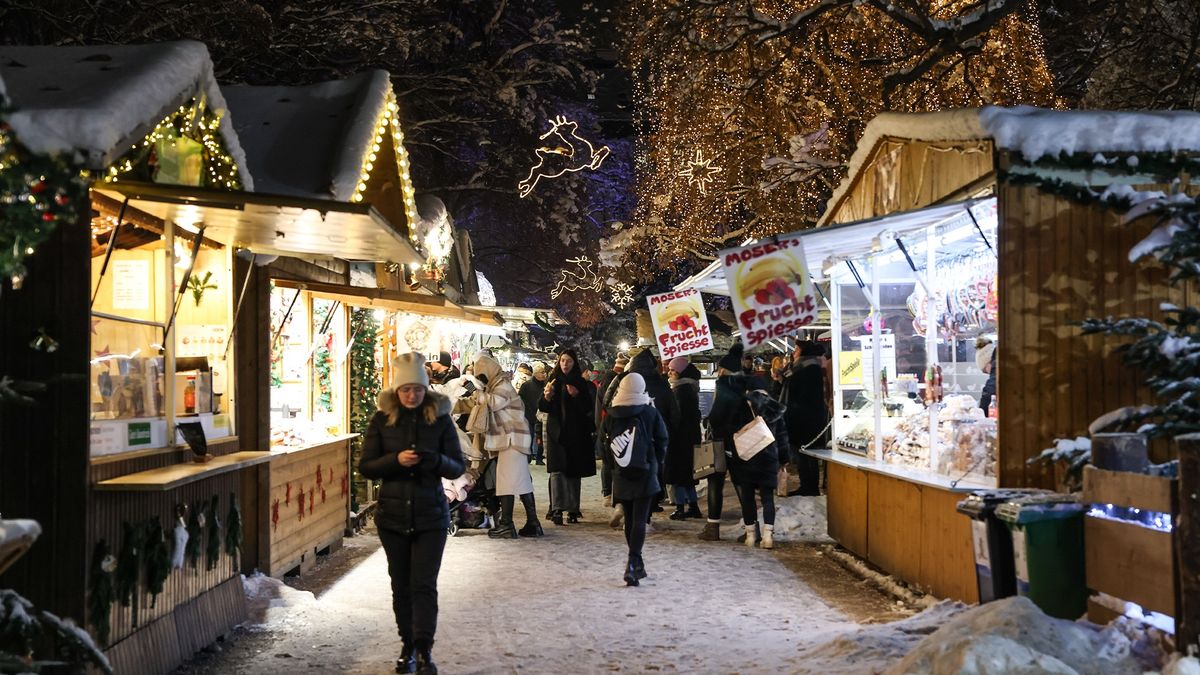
<point x="471" y="500"/>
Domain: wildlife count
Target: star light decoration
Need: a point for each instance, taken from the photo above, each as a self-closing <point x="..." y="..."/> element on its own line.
<point x="700" y="171"/>
<point x="582" y="278"/>
<point x="567" y="155"/>
<point x="622" y="294"/>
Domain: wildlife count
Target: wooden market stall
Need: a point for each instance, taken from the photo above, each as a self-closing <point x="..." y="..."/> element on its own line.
<point x="957" y="184"/>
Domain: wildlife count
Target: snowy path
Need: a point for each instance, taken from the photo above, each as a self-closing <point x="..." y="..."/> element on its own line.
<point x="558" y="605"/>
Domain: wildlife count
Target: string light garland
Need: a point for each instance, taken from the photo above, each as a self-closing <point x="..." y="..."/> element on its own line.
<point x="709" y="79"/>
<point x="582" y="278"/>
<point x="562" y="158"/>
<point x="193" y="121"/>
<point x="388" y="121"/>
<point x="700" y="171"/>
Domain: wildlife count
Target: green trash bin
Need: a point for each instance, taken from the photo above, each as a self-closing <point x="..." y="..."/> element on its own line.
<point x="1047" y="536"/>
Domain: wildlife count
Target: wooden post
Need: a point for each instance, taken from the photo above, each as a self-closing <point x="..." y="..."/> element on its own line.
<point x="1187" y="545"/>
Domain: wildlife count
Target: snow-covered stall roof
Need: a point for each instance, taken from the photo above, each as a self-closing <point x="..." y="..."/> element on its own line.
<point x="1033" y="132"/>
<point x="310" y="141"/>
<point x="99" y="100"/>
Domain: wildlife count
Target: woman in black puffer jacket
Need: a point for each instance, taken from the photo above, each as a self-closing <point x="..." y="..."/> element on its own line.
<point x="412" y="444"/>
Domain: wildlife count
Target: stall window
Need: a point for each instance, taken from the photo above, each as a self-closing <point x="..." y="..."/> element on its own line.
<point x="203" y="359"/>
<point x="309" y="369"/>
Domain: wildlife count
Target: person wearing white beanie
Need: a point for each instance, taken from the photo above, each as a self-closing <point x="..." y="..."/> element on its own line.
<point x="633" y="428"/>
<point x="411" y="444"/>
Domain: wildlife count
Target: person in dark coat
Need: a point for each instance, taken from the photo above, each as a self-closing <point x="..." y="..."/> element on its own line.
<point x="761" y="472"/>
<point x="412" y="444"/>
<point x="443" y="370"/>
<point x="645" y="364"/>
<point x="606" y="380"/>
<point x="634" y="494"/>
<point x="807" y="415"/>
<point x="685" y="384"/>
<point x="729" y="413"/>
<point x="570" y="430"/>
<point x="531" y="395"/>
<point x="985" y="358"/>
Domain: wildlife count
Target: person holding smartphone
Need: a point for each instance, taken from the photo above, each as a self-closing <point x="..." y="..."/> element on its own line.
<point x="568" y="401"/>
<point x="412" y="444"/>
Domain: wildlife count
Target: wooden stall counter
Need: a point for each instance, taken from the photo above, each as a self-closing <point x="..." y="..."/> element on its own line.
<point x="176" y="475"/>
<point x="307" y="502"/>
<point x="903" y="521"/>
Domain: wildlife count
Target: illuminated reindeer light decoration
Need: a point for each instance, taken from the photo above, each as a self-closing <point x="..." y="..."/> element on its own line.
<point x="567" y="155"/>
<point x="582" y="278"/>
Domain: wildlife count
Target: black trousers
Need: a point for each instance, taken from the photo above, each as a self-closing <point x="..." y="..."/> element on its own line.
<point x="716" y="495"/>
<point x="809" y="469"/>
<point x="750" y="509"/>
<point x="637" y="512"/>
<point x="413" y="564"/>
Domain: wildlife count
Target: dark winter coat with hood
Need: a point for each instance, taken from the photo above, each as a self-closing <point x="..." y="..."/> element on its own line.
<point x="570" y="429"/>
<point x="411" y="498"/>
<point x="624" y="488"/>
<point x="644" y="364"/>
<point x="732" y="409"/>
<point x="681" y="450"/>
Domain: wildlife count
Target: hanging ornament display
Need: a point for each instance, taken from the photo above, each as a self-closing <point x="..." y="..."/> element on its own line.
<point x="180" y="533"/>
<point x="129" y="566"/>
<point x="300" y="503"/>
<point x="100" y="591"/>
<point x="233" y="530"/>
<point x="566" y="152"/>
<point x="311" y="499"/>
<point x="700" y="172"/>
<point x="157" y="559"/>
<point x="213" y="549"/>
<point x="579" y="275"/>
<point x="275" y="515"/>
<point x="622" y="294"/>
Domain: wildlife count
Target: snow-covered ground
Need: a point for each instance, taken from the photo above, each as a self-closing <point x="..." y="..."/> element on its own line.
<point x="558" y="605"/>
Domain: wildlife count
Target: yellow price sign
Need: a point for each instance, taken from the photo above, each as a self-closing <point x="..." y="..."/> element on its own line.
<point x="850" y="368"/>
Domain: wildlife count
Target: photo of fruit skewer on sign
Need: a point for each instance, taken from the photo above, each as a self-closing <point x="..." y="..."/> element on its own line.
<point x="770" y="287"/>
<point x="680" y="323"/>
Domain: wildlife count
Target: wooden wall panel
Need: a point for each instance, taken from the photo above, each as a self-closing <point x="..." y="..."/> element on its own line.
<point x="1061" y="263"/>
<point x="44" y="446"/>
<point x="295" y="538"/>
<point x="846" y="507"/>
<point x="947" y="557"/>
<point x="894" y="526"/>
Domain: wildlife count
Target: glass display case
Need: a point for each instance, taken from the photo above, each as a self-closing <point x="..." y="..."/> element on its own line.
<point x="309" y="371"/>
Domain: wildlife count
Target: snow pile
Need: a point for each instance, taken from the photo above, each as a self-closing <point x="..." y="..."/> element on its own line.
<point x="1182" y="665"/>
<point x="272" y="604"/>
<point x="884" y="582"/>
<point x="876" y="648"/>
<point x="20" y="529"/>
<point x="1014" y="636"/>
<point x="801" y="519"/>
<point x="1037" y="132"/>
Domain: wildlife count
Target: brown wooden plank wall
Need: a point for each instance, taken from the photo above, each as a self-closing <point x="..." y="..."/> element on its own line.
<point x="111" y="509"/>
<point x="295" y="538"/>
<point x="1061" y="263"/>
<point x="903" y="175"/>
<point x="44" y="447"/>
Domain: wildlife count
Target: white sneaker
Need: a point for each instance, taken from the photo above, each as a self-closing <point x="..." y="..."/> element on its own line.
<point x="751" y="535"/>
<point x="768" y="537"/>
<point x="617" y="516"/>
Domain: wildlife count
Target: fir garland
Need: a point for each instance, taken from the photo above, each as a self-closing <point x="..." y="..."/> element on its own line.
<point x="192" y="549"/>
<point x="100" y="594"/>
<point x="158" y="559"/>
<point x="129" y="565"/>
<point x="37" y="192"/>
<point x="213" y="550"/>
<point x="233" y="530"/>
<point x="364" y="387"/>
<point x="543" y="323"/>
<point x="22" y="627"/>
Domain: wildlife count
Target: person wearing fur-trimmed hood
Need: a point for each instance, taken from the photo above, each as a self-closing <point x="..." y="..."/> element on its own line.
<point x="632" y="408"/>
<point x="412" y="444"/>
<point x="508" y="438"/>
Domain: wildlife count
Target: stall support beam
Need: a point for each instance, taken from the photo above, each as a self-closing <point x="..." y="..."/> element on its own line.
<point x="877" y="356"/>
<point x="931" y="344"/>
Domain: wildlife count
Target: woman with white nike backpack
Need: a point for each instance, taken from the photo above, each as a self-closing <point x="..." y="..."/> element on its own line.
<point x="635" y="445"/>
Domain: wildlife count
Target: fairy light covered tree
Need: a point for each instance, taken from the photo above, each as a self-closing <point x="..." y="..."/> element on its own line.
<point x="776" y="94"/>
<point x="364" y="384"/>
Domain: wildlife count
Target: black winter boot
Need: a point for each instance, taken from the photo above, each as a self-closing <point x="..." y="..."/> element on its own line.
<point x="504" y="529"/>
<point x="406" y="663"/>
<point x="693" y="511"/>
<point x="532" y="527"/>
<point x="631" y="577"/>
<point x="680" y="512"/>
<point x="425" y="664"/>
<point x="639" y="567"/>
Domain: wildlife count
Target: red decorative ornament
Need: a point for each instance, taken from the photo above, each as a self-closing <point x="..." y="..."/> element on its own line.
<point x="322" y="495"/>
<point x="331" y="474"/>
<point x="345" y="485"/>
<point x="287" y="500"/>
<point x="38" y="187"/>
<point x="61" y="199"/>
<point x="300" y="501"/>
<point x="320" y="475"/>
<point x="48" y="217"/>
<point x="275" y="514"/>
<point x="311" y="499"/>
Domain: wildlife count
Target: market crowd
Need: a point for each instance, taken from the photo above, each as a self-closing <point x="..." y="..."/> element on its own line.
<point x="445" y="439"/>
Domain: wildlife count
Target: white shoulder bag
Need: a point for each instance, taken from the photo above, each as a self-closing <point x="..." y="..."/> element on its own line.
<point x="752" y="438"/>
